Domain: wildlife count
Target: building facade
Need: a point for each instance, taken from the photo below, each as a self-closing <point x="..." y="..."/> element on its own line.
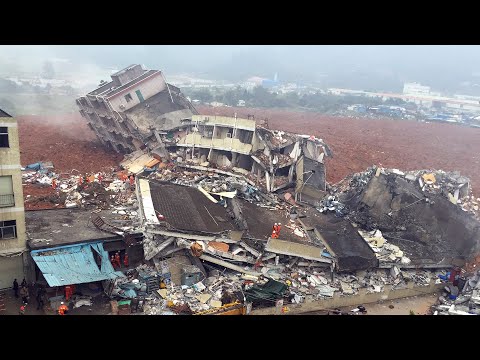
<point x="415" y="89"/>
<point x="13" y="253"/>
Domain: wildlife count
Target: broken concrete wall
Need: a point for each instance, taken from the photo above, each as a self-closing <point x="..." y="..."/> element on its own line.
<point x="313" y="150"/>
<point x="257" y="143"/>
<point x="310" y="181"/>
<point x="342" y="240"/>
<point x="427" y="228"/>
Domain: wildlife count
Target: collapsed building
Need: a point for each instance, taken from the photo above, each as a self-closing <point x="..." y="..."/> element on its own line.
<point x="138" y="110"/>
<point x="201" y="242"/>
<point x="127" y="112"/>
<point x="392" y="232"/>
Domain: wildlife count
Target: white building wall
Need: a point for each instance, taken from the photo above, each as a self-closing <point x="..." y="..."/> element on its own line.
<point x="415" y="89"/>
<point x="148" y="88"/>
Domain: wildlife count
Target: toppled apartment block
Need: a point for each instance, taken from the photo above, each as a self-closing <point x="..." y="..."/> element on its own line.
<point x="128" y="112"/>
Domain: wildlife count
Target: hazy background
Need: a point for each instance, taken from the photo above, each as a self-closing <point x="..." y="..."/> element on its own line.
<point x="383" y="67"/>
<point x="446" y="68"/>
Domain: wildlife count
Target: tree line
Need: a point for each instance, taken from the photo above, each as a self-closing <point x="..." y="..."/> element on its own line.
<point x="263" y="98"/>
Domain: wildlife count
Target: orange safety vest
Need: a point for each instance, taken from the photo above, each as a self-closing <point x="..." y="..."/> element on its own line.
<point x="62" y="309"/>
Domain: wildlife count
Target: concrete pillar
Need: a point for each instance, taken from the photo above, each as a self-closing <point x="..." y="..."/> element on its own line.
<point x="234" y="159"/>
<point x="157" y="135"/>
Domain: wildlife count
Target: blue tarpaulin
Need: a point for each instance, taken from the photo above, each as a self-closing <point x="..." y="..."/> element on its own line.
<point x="36" y="166"/>
<point x="75" y="264"/>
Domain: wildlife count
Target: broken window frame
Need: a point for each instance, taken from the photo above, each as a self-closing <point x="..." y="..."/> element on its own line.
<point x="128" y="97"/>
<point x="6" y="227"/>
<point x="4" y="143"/>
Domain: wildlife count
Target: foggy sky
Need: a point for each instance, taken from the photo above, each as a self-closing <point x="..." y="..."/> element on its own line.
<point x="383" y="67"/>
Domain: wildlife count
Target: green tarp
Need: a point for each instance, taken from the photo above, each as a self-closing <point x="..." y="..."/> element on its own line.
<point x="271" y="292"/>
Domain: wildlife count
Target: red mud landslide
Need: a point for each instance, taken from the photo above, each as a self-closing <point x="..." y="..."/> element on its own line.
<point x="65" y="140"/>
<point x="360" y="143"/>
<point x="40" y="197"/>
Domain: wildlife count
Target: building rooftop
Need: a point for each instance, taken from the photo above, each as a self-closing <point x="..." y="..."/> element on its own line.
<point x="119" y="89"/>
<point x="109" y="89"/>
<point x="49" y="228"/>
<point x="340" y="237"/>
<point x="260" y="222"/>
<point x="4" y="114"/>
<point x="187" y="209"/>
<point x="119" y="72"/>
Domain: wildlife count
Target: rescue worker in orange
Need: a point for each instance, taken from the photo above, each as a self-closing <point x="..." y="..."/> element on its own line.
<point x="62" y="309"/>
<point x="125" y="261"/>
<point x="68" y="292"/>
<point x="132" y="180"/>
<point x="117" y="260"/>
<point x="279" y="227"/>
<point x="112" y="261"/>
<point x="54" y="183"/>
<point x="274" y="232"/>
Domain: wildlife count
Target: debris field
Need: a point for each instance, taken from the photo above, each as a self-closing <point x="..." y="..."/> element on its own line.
<point x="375" y="228"/>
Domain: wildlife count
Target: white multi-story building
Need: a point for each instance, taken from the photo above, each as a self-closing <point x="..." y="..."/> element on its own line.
<point x="415" y="89"/>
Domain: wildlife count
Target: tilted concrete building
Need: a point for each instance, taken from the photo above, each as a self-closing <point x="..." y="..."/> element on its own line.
<point x="127" y="112"/>
<point x="12" y="214"/>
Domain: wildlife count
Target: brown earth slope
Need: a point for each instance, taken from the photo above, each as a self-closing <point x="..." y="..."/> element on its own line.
<point x="66" y="140"/>
<point x="360" y="143"/>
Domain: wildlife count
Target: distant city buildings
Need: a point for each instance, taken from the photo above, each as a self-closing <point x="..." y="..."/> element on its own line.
<point x="415" y="89"/>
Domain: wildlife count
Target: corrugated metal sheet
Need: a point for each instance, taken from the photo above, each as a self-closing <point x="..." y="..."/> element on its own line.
<point x="75" y="264"/>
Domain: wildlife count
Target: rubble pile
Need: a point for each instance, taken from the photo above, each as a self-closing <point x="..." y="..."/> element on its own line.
<point x="451" y="185"/>
<point x="331" y="203"/>
<point x="220" y="186"/>
<point x="100" y="191"/>
<point x="462" y="297"/>
<point x="385" y="252"/>
<point x="355" y="181"/>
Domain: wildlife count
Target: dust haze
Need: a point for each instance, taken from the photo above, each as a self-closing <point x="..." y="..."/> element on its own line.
<point x="382" y="67"/>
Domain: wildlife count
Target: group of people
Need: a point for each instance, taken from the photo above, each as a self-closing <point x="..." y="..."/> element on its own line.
<point x="276" y="230"/>
<point x="128" y="180"/>
<point x="116" y="260"/>
<point x="24" y="293"/>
